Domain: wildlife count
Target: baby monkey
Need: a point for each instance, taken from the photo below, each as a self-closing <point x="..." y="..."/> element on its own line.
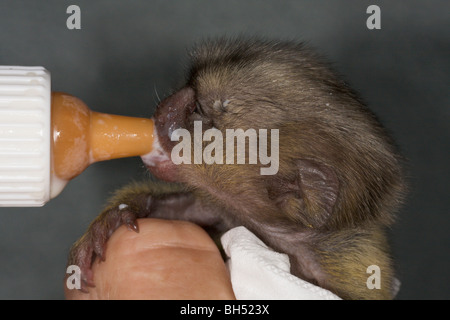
<point x="339" y="178"/>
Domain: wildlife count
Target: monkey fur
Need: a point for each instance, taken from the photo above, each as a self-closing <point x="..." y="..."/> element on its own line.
<point x="339" y="181"/>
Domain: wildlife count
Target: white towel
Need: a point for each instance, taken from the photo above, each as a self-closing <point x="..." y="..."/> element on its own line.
<point x="259" y="273"/>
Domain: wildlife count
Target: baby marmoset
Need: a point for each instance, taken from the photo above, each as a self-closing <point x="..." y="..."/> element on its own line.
<point x="339" y="178"/>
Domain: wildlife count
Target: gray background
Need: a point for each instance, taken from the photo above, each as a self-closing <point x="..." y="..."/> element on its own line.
<point x="127" y="51"/>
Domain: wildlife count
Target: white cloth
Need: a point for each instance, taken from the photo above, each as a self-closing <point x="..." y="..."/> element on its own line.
<point x="257" y="272"/>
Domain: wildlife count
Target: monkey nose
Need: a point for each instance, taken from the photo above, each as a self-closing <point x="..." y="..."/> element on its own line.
<point x="173" y="112"/>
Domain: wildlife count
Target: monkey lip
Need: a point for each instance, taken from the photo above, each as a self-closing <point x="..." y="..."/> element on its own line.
<point x="158" y="162"/>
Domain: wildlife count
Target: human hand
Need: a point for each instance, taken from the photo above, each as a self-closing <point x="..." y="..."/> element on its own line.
<point x="165" y="260"/>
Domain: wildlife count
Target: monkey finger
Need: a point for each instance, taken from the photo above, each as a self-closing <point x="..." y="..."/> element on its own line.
<point x="129" y="219"/>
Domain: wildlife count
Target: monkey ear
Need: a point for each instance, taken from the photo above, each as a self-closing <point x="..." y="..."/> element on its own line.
<point x="311" y="197"/>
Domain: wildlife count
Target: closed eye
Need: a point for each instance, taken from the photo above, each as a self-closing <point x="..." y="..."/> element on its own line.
<point x="199" y="109"/>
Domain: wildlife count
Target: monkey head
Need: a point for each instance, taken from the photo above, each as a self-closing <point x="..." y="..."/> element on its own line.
<point x="336" y="167"/>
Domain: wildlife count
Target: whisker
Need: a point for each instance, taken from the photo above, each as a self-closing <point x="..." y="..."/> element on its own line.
<point x="157" y="95"/>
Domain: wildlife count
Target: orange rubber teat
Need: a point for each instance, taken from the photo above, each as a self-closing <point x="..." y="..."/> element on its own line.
<point x="82" y="137"/>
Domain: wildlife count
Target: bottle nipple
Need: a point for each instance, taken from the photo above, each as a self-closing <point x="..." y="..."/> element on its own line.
<point x="82" y="137"/>
<point x="47" y="139"/>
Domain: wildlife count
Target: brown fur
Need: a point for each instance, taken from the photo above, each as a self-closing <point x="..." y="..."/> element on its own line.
<point x="339" y="180"/>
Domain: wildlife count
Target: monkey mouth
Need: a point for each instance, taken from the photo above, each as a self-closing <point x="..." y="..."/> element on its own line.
<point x="158" y="161"/>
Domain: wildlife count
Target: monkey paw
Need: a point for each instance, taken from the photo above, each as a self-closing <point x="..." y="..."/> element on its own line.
<point x="93" y="243"/>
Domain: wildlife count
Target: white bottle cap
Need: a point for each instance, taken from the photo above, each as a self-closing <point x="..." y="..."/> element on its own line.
<point x="25" y="163"/>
